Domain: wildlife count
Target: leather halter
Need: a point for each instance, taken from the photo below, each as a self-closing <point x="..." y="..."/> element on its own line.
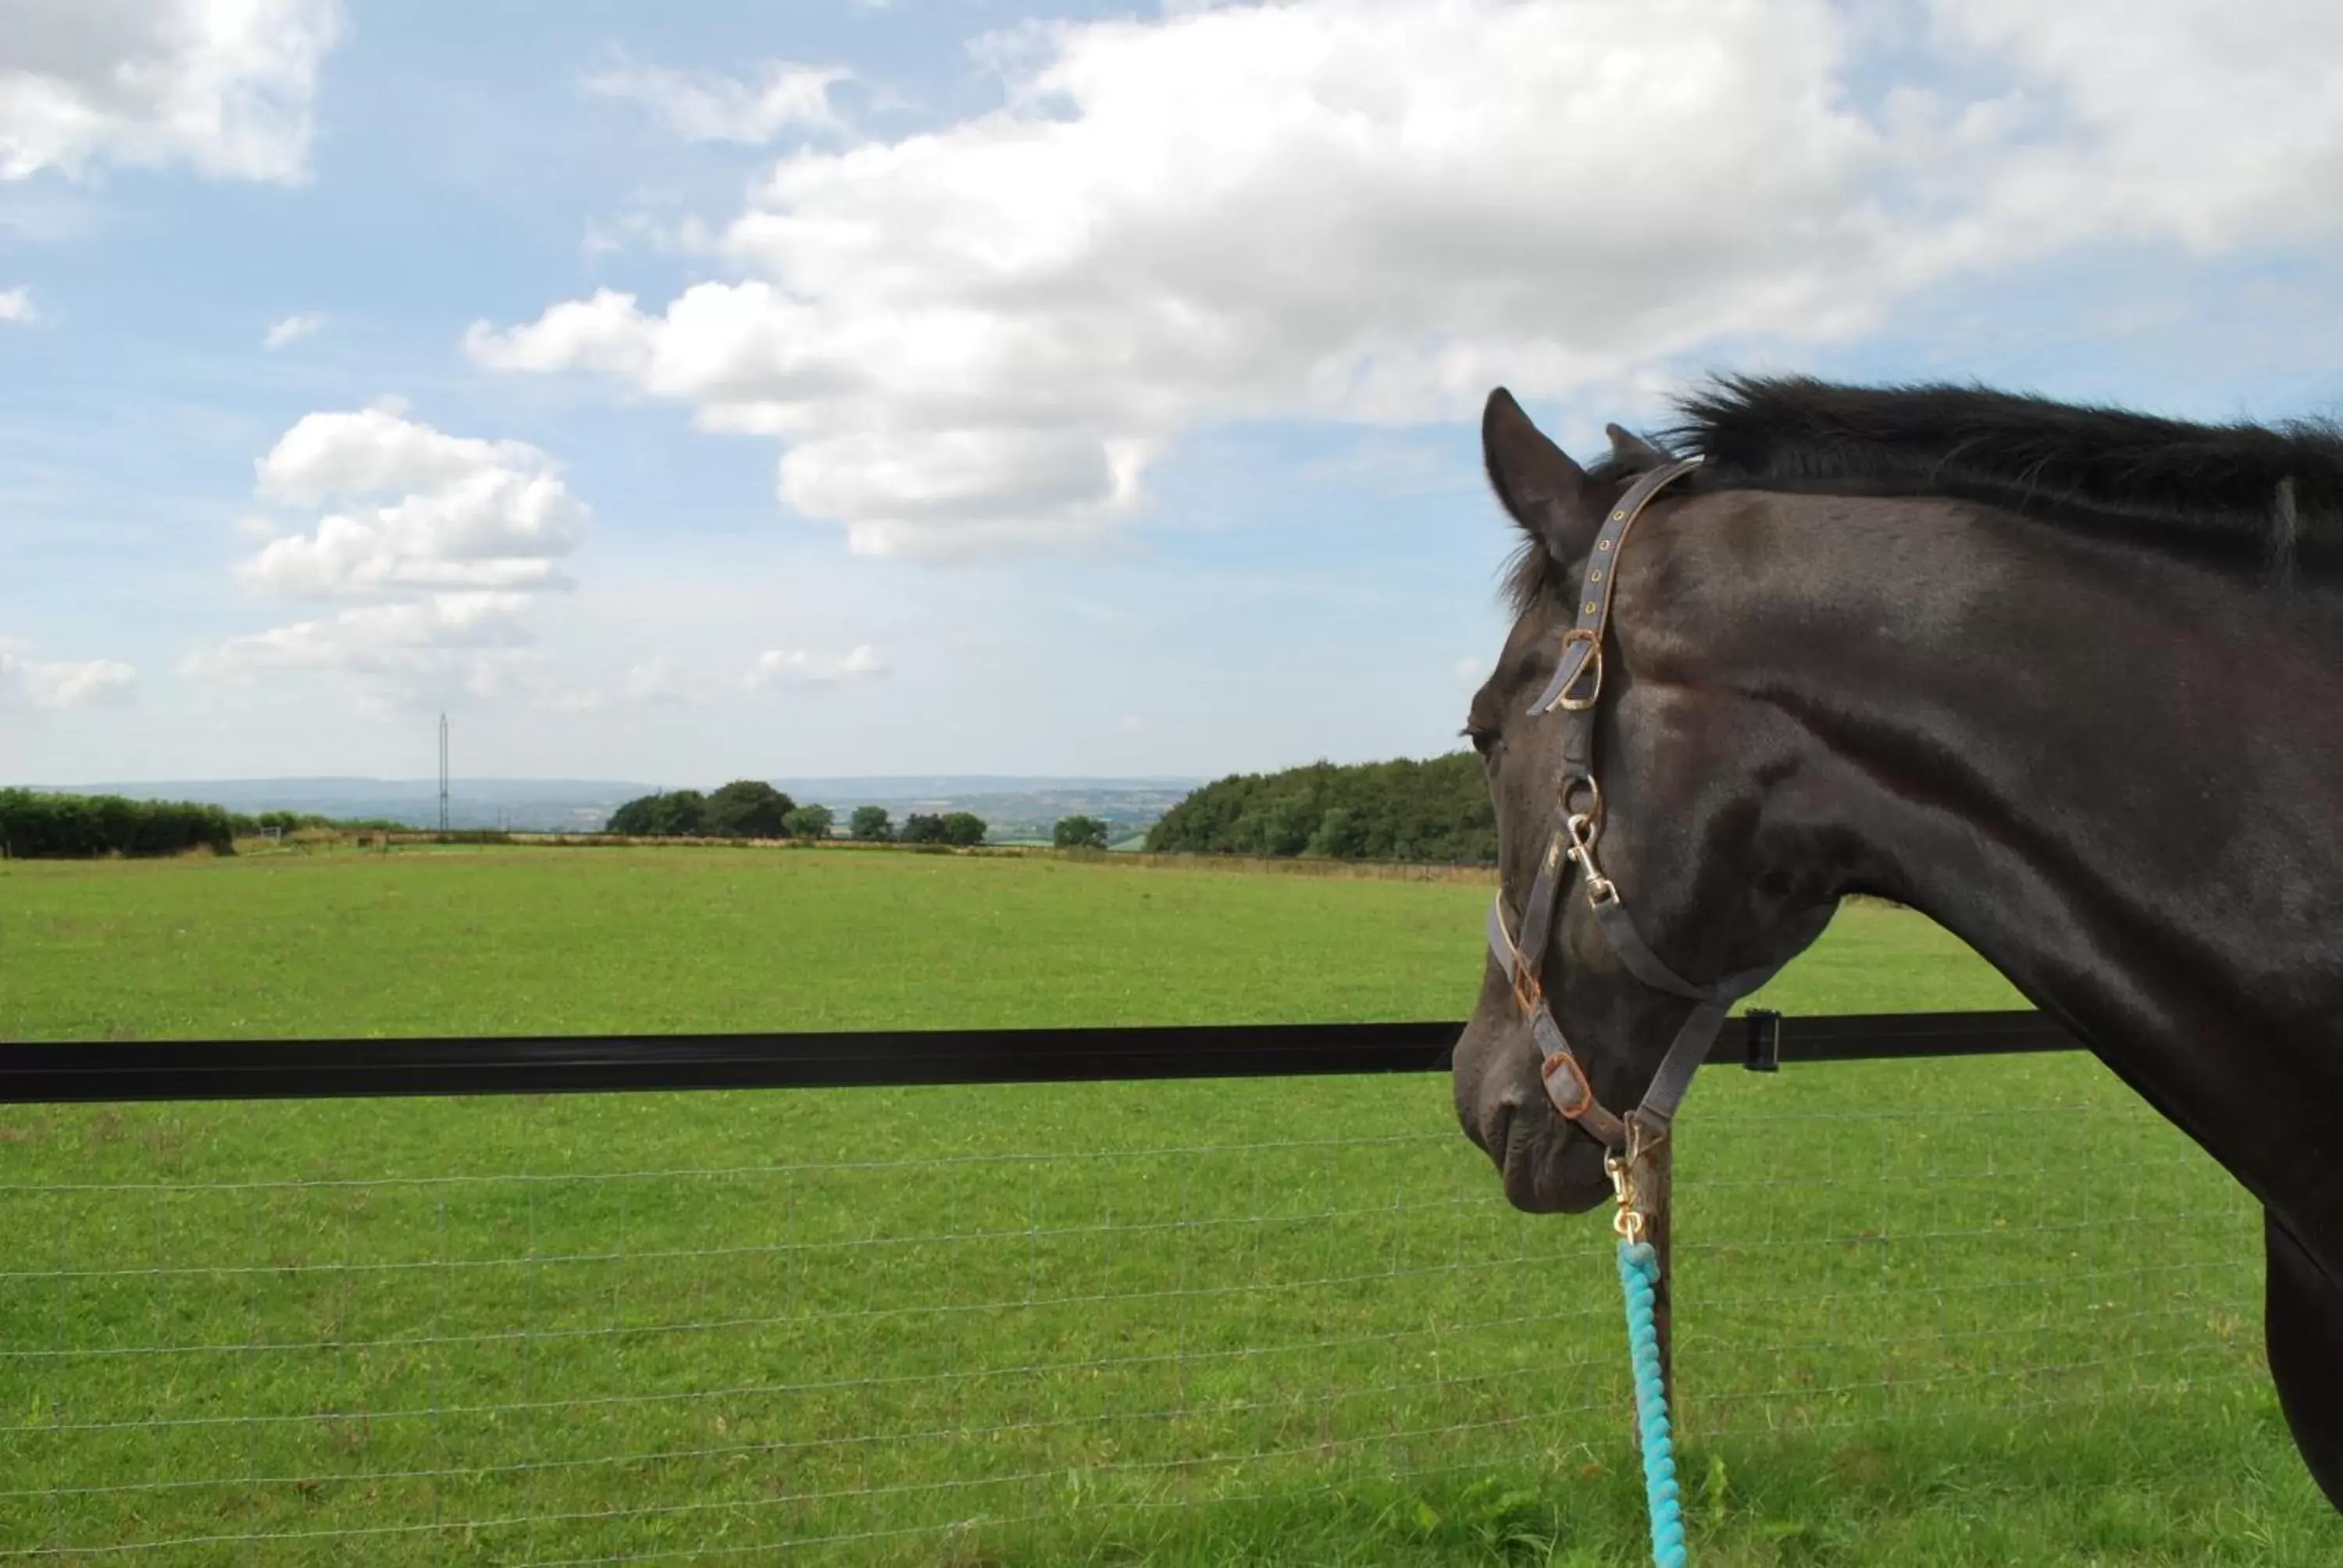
<point x="1576" y="684"/>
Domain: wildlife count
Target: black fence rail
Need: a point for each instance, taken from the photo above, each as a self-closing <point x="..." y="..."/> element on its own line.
<point x="613" y="1329"/>
<point x="192" y="1069"/>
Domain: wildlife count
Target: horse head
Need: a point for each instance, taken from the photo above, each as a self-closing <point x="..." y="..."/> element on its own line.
<point x="1654" y="860"/>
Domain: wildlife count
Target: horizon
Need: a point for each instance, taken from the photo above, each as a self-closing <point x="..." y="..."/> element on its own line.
<point x="1013" y="805"/>
<point x="427" y="781"/>
<point x="862" y="390"/>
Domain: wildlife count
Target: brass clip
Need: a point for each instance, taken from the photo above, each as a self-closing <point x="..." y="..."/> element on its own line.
<point x="1599" y="888"/>
<point x="1628" y="1222"/>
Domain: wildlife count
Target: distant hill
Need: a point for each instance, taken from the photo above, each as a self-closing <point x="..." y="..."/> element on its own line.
<point x="526" y="805"/>
<point x="1013" y="806"/>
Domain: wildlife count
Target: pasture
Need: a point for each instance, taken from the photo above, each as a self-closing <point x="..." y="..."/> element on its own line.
<point x="1935" y="1313"/>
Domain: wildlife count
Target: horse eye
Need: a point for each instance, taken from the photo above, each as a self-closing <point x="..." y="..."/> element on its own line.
<point x="1483" y="740"/>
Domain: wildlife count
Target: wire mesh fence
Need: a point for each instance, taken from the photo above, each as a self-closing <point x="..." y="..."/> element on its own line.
<point x="627" y="1328"/>
<point x="1855" y="1268"/>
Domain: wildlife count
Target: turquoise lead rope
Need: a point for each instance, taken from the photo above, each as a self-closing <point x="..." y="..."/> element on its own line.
<point x="1639" y="1281"/>
<point x="1639" y="1275"/>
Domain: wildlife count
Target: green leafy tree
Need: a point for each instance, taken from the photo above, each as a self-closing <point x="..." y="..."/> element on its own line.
<point x="1339" y="835"/>
<point x="1437" y="811"/>
<point x="679" y="814"/>
<point x="811" y="822"/>
<point x="920" y="829"/>
<point x="636" y="819"/>
<point x="748" y="809"/>
<point x="963" y="828"/>
<point x="869" y="824"/>
<point x="1280" y="825"/>
<point x="671" y="814"/>
<point x="35" y="822"/>
<point x="1078" y="833"/>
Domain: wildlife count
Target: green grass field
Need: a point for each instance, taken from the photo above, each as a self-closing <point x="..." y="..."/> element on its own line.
<point x="1934" y="1313"/>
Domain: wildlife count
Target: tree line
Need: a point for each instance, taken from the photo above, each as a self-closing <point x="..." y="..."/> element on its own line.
<point x="41" y="824"/>
<point x="751" y="809"/>
<point x="744" y="809"/>
<point x="1436" y="811"/>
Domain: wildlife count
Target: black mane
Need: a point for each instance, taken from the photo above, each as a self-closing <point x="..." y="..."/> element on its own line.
<point x="2242" y="494"/>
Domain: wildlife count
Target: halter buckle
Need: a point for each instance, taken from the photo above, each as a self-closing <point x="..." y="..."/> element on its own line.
<point x="1592" y="638"/>
<point x="1580" y="1098"/>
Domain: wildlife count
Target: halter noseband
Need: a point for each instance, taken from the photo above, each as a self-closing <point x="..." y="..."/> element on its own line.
<point x="1577" y="683"/>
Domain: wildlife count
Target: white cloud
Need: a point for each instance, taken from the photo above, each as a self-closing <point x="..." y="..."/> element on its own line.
<point x="802" y="667"/>
<point x="65" y="683"/>
<point x="2167" y="122"/>
<point x="1470" y="671"/>
<point x="16" y="304"/>
<point x="421" y="509"/>
<point x="224" y="86"/>
<point x="381" y="638"/>
<point x="292" y="327"/>
<point x="976" y="340"/>
<point x="688" y="235"/>
<point x="657" y="681"/>
<point x="707" y="106"/>
<point x="434" y="650"/>
<point x="448" y="538"/>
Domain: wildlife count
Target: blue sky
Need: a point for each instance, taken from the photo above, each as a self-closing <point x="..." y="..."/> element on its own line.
<point x="825" y="387"/>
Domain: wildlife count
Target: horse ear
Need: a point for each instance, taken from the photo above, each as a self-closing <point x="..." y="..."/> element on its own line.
<point x="1536" y="479"/>
<point x="1632" y="452"/>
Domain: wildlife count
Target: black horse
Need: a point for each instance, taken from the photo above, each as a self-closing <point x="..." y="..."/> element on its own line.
<point x="2067" y="680"/>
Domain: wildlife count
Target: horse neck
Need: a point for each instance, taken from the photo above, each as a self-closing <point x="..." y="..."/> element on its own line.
<point x="2118" y="778"/>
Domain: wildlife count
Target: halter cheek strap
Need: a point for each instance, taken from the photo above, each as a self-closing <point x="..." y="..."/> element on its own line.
<point x="1567" y="1085"/>
<point x="1576" y="684"/>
